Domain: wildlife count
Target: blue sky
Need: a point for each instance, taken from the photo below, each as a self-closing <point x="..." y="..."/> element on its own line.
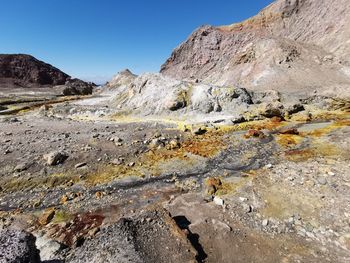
<point x="94" y="39"/>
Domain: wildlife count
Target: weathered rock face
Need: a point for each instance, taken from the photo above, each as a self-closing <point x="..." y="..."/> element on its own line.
<point x="290" y="45"/>
<point x="156" y="94"/>
<point x="124" y="77"/>
<point x="18" y="247"/>
<point x="25" y="71"/>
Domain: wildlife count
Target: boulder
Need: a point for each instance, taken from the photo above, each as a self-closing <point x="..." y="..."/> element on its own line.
<point x="78" y="87"/>
<point x="199" y="131"/>
<point x="295" y="108"/>
<point x="49" y="249"/>
<point x="17" y="246"/>
<point x="177" y="104"/>
<point x="269" y="110"/>
<point x="55" y="157"/>
<point x="22" y="166"/>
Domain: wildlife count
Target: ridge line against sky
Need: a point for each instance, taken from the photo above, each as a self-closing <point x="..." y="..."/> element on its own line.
<point x="94" y="39"/>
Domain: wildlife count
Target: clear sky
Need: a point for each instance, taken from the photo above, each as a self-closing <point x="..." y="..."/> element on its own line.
<point x="94" y="39"/>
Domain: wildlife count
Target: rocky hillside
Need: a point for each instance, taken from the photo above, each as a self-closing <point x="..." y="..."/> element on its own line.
<point x="121" y="78"/>
<point x="290" y="46"/>
<point x="25" y="71"/>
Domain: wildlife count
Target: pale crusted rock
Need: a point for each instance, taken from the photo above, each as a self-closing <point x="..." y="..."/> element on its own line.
<point x="55" y="158"/>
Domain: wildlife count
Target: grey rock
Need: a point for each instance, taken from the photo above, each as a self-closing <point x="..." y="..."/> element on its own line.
<point x="49" y="249"/>
<point x="270" y="110"/>
<point x="56" y="157"/>
<point x="111" y="245"/>
<point x="17" y="246"/>
<point x="295" y="108"/>
<point x="238" y="119"/>
<point x="265" y="222"/>
<point x="218" y="201"/>
<point x="321" y="180"/>
<point x="246" y="208"/>
<point x="22" y="167"/>
<point x="177" y="104"/>
<point x="80" y="165"/>
<point x="199" y="131"/>
<point x="117" y="161"/>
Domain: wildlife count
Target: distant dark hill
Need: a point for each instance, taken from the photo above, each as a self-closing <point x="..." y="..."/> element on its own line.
<point x="25" y="71"/>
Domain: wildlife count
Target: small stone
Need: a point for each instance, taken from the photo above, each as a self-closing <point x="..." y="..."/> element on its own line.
<point x="243" y="199"/>
<point x="321" y="180"/>
<point x="246" y="208"/>
<point x="269" y="166"/>
<point x="55" y="158"/>
<point x="218" y="201"/>
<point x="156" y="143"/>
<point x="131" y="164"/>
<point x="96" y="135"/>
<point x="173" y="144"/>
<point x="117" y="139"/>
<point x="157" y="135"/>
<point x="199" y="131"/>
<point x="93" y="231"/>
<point x="64" y="199"/>
<point x="255" y="134"/>
<point x="211" y="190"/>
<point x="98" y="195"/>
<point x="265" y="222"/>
<point x="213" y="185"/>
<point x="289" y="131"/>
<point x="117" y="161"/>
<point x="80" y="165"/>
<point x="36" y="204"/>
<point x="22" y="167"/>
<point x="218" y="225"/>
<point x="310" y="235"/>
<point x="46" y="217"/>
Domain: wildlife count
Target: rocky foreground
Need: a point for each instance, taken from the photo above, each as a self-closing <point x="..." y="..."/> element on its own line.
<point x="92" y="183"/>
<point x="237" y="151"/>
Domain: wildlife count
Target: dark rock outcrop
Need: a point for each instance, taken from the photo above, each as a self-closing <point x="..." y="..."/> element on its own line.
<point x="25" y="71"/>
<point x="17" y="246"/>
<point x="77" y="87"/>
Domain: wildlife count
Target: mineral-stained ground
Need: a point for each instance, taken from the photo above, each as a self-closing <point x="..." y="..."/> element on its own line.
<point x="104" y="188"/>
<point x="237" y="151"/>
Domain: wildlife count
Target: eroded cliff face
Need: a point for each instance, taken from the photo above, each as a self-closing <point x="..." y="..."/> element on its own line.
<point x="290" y="46"/>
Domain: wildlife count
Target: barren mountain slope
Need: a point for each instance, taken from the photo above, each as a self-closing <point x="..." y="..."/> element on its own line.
<point x="25" y="70"/>
<point x="290" y="45"/>
<point x="24" y="73"/>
